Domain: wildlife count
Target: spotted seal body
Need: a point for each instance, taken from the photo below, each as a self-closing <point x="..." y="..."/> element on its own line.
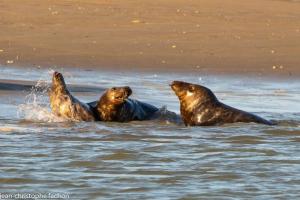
<point x="114" y="105"/>
<point x="63" y="104"/>
<point x="200" y="107"/>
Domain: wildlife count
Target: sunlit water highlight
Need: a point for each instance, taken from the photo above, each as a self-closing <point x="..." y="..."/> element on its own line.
<point x="154" y="159"/>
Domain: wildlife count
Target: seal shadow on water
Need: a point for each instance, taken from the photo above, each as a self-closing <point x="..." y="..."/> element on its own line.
<point x="200" y="107"/>
<point x="64" y="104"/>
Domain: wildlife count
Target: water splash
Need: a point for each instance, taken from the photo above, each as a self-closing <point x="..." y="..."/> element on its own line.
<point x="37" y="106"/>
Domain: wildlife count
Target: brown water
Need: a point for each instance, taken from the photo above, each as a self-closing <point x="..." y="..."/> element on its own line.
<point x="40" y="153"/>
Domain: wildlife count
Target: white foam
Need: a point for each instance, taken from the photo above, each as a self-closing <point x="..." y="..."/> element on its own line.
<point x="37" y="106"/>
<point x="10" y="128"/>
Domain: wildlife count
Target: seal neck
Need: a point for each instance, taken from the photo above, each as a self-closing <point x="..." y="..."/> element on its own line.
<point x="61" y="89"/>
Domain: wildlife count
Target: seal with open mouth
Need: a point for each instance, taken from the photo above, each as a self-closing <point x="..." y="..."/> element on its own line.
<point x="200" y="107"/>
<point x="64" y="104"/>
<point x="114" y="105"/>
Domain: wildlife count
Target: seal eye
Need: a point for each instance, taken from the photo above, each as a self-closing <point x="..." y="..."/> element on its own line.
<point x="113" y="89"/>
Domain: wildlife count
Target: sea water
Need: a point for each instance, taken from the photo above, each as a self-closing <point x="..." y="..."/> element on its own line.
<point x="44" y="154"/>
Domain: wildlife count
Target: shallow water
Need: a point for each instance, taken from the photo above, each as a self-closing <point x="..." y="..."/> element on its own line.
<point x="40" y="153"/>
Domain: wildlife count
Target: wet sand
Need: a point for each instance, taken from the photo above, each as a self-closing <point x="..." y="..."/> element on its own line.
<point x="213" y="36"/>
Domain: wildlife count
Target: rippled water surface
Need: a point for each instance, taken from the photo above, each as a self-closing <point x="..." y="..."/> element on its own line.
<point x="152" y="159"/>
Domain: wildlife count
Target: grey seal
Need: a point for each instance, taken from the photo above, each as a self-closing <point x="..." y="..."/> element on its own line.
<point x="200" y="107"/>
<point x="115" y="105"/>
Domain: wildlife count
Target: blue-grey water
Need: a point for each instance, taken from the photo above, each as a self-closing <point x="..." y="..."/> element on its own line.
<point x="40" y="153"/>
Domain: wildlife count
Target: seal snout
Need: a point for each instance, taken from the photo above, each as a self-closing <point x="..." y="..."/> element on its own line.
<point x="119" y="94"/>
<point x="58" y="81"/>
<point x="175" y="85"/>
<point x="56" y="74"/>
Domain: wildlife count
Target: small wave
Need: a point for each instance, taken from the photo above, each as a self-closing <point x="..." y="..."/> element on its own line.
<point x="287" y="123"/>
<point x="10" y="129"/>
<point x="169" y="117"/>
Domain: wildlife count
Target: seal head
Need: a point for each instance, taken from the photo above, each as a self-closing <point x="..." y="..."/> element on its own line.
<point x="58" y="82"/>
<point x="191" y="94"/>
<point x="111" y="102"/>
<point x="200" y="107"/>
<point x="117" y="95"/>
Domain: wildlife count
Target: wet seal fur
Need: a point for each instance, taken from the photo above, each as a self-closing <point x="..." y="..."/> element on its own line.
<point x="200" y="107"/>
<point x="115" y="106"/>
<point x="64" y="104"/>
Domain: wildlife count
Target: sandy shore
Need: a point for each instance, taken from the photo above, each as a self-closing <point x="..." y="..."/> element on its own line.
<point x="257" y="36"/>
